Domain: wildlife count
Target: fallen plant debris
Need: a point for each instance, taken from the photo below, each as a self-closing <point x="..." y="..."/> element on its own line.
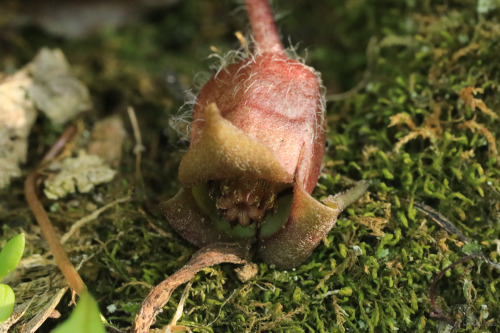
<point x="17" y="115"/>
<point x="45" y="84"/>
<point x="81" y="222"/>
<point x="453" y="230"/>
<point x="39" y="297"/>
<point x="438" y="314"/>
<point x="442" y="221"/>
<point x="66" y="267"/>
<point x="55" y="91"/>
<point x="106" y="140"/>
<point x="210" y="255"/>
<point x="172" y="327"/>
<point x="80" y="173"/>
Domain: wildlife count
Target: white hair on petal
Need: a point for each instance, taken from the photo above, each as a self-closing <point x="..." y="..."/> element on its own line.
<point x="181" y="122"/>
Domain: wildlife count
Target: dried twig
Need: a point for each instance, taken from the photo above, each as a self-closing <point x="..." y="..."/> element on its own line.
<point x="133" y="283"/>
<point x="139" y="147"/>
<point x="441" y="220"/>
<point x="30" y="191"/>
<point x="452" y="229"/>
<point x="438" y="314"/>
<point x="208" y="256"/>
<point x="159" y="231"/>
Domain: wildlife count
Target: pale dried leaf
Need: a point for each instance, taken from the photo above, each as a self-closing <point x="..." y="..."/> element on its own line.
<point x="8" y="170"/>
<point x="56" y="92"/>
<point x="37" y="294"/>
<point x="17" y="115"/>
<point x="16" y="110"/>
<point x="47" y="84"/>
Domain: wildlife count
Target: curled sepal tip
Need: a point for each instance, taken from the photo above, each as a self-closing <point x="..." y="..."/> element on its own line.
<point x="308" y="223"/>
<point x="224" y="151"/>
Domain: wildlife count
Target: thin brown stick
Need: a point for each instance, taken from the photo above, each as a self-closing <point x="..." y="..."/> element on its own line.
<point x="30" y="192"/>
<point x="441" y="220"/>
<point x="153" y="226"/>
<point x="208" y="256"/>
<point x="452" y="229"/>
<point x="438" y="314"/>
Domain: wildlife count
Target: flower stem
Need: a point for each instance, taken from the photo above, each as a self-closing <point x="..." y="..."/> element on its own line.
<point x="263" y="27"/>
<point x="30" y="192"/>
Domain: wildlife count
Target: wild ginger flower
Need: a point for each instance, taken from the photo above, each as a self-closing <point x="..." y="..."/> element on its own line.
<point x="257" y="142"/>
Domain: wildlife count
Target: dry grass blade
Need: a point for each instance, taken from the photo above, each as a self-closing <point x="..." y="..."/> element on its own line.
<point x="208" y="256"/>
<point x="172" y="327"/>
<point x="80" y="223"/>
<point x="139" y="147"/>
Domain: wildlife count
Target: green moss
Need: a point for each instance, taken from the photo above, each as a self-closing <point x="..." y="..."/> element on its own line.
<point x="412" y="132"/>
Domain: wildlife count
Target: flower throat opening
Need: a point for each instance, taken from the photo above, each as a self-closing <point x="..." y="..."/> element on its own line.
<point x="244" y="201"/>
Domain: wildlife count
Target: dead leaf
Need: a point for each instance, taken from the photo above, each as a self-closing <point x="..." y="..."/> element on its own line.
<point x="210" y="255"/>
<point x="56" y="92"/>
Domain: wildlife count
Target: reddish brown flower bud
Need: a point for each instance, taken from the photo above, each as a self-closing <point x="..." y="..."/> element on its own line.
<point x="257" y="142"/>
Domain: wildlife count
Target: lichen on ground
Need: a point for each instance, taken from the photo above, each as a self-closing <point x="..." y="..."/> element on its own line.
<point x="424" y="130"/>
<point x="81" y="173"/>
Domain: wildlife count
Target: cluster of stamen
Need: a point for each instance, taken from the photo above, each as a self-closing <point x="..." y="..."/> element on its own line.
<point x="244" y="201"/>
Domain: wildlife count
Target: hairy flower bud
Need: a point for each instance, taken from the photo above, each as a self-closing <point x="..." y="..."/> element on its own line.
<point x="257" y="142"/>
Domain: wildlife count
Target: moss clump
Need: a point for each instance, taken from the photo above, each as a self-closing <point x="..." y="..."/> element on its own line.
<point x="423" y="130"/>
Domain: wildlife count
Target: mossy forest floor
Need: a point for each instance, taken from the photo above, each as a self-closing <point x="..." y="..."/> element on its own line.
<point x="423" y="129"/>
